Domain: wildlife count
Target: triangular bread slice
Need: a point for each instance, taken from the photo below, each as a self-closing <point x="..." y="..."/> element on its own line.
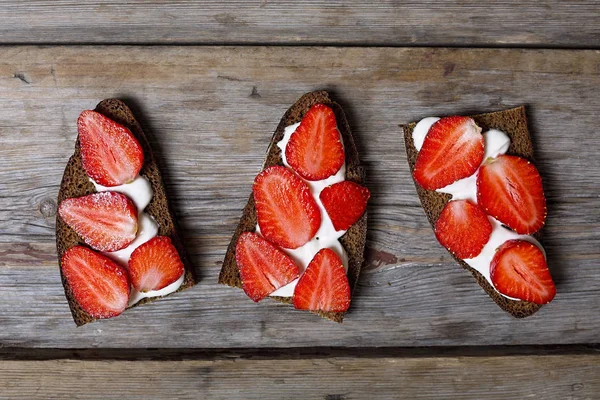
<point x="513" y="122"/>
<point x="353" y="240"/>
<point x="76" y="183"/>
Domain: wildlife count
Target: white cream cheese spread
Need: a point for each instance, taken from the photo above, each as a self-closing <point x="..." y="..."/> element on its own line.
<point x="140" y="192"/>
<point x="496" y="143"/>
<point x="326" y="236"/>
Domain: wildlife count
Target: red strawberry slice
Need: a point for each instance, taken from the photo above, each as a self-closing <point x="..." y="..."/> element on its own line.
<point x="324" y="285"/>
<point x="110" y="153"/>
<point x="264" y="268"/>
<point x="155" y="264"/>
<point x="100" y="286"/>
<point x="519" y="270"/>
<point x="509" y="188"/>
<point x="452" y="150"/>
<point x="107" y="221"/>
<point x="315" y="150"/>
<point x="344" y="202"/>
<point x="287" y="213"/>
<point x="463" y="228"/>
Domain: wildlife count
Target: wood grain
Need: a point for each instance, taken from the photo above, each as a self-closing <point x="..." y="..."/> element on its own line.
<point x="338" y="378"/>
<point x="547" y="23"/>
<point x="209" y="113"/>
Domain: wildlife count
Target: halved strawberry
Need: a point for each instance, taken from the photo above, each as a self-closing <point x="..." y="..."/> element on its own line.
<point x="463" y="228"/>
<point x="315" y="150"/>
<point x="324" y="285"/>
<point x="519" y="270"/>
<point x="100" y="286"/>
<point x="263" y="267"/>
<point x="509" y="188"/>
<point x="452" y="150"/>
<point x="110" y="153"/>
<point x="107" y="221"/>
<point x="287" y="213"/>
<point x="344" y="202"/>
<point x="155" y="264"/>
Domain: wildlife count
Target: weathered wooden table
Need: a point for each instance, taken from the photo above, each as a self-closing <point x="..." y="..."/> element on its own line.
<point x="209" y="83"/>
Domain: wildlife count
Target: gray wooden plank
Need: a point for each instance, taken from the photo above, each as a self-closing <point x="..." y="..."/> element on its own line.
<point x="210" y="112"/>
<point x="516" y="377"/>
<point x="547" y="23"/>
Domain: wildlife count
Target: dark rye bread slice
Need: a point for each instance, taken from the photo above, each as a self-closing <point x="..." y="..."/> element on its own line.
<point x="353" y="240"/>
<point x="513" y="122"/>
<point x="76" y="183"/>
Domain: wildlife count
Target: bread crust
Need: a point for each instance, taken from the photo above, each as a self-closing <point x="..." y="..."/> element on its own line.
<point x="76" y="183"/>
<point x="513" y="122"/>
<point x="354" y="239"/>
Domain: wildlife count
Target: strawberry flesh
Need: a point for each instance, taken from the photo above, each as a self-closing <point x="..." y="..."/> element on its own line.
<point x="155" y="265"/>
<point x="315" y="150"/>
<point x="263" y="267"/>
<point x="509" y="188"/>
<point x="345" y="202"/>
<point x="99" y="285"/>
<point x="324" y="285"/>
<point x="452" y="150"/>
<point x="107" y="221"/>
<point x="111" y="155"/>
<point x="519" y="270"/>
<point x="287" y="213"/>
<point x="463" y="228"/>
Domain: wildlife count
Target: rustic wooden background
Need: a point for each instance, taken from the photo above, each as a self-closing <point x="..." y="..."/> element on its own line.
<point x="209" y="112"/>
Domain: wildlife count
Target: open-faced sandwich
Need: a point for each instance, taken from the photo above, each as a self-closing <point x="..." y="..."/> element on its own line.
<point x="302" y="234"/>
<point x="484" y="198"/>
<point x="116" y="237"/>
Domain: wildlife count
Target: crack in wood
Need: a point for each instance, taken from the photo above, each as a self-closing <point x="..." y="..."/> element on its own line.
<point x="21" y="76"/>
